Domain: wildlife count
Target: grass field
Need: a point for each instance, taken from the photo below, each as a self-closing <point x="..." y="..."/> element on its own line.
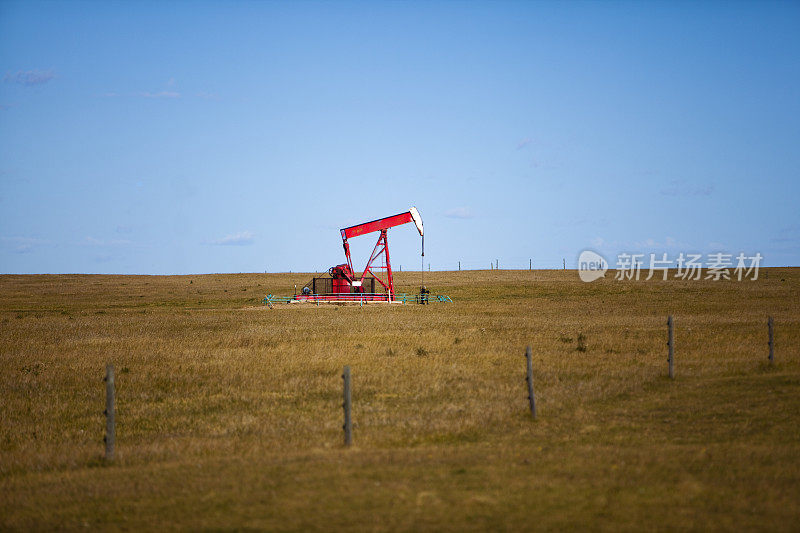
<point x="229" y="414"/>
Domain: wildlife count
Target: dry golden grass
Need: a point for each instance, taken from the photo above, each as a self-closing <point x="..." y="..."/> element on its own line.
<point x="229" y="414"/>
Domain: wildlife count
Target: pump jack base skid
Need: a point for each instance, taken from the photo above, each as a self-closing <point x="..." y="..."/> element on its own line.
<point x="352" y="299"/>
<point x="343" y="302"/>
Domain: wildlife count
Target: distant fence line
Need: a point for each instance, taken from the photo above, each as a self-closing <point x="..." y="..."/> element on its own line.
<point x="491" y="264"/>
<point x="454" y="266"/>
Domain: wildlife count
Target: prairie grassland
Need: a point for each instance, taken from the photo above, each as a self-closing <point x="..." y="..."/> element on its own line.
<point x="229" y="414"/>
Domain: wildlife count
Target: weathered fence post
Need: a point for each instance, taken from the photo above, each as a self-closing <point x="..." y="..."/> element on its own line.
<point x="110" y="437"/>
<point x="671" y="344"/>
<point x="348" y="421"/>
<point x="771" y="341"/>
<point x="529" y="379"/>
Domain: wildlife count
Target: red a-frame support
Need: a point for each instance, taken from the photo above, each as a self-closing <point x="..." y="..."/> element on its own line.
<point x="381" y="247"/>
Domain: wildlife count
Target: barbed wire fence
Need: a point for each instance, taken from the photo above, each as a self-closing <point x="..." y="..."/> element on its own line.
<point x="497" y="263"/>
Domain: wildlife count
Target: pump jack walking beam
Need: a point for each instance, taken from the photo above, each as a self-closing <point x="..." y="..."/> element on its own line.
<point x="382" y="246"/>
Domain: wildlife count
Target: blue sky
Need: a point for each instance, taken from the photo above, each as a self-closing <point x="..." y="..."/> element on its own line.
<point x="192" y="137"/>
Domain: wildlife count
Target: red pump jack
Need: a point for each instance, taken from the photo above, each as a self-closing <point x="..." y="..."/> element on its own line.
<point x="344" y="275"/>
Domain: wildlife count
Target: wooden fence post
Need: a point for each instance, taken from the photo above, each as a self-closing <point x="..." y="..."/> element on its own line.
<point x="348" y="421"/>
<point x="771" y="341"/>
<point x="529" y="379"/>
<point x="671" y="344"/>
<point x="110" y="437"/>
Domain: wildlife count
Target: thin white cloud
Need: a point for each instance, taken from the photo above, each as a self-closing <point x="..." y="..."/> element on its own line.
<point x="104" y="258"/>
<point x="29" y="78"/>
<point x="788" y="234"/>
<point x="655" y="244"/>
<point x="161" y="94"/>
<point x="524" y="142"/>
<point x="243" y="238"/>
<point x="684" y="188"/>
<point x="169" y="91"/>
<point x="459" y="212"/>
<point x="91" y="241"/>
<point x="647" y="245"/>
<point x="23" y="245"/>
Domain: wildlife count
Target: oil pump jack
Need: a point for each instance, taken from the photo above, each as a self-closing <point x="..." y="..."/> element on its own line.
<point x="345" y="284"/>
